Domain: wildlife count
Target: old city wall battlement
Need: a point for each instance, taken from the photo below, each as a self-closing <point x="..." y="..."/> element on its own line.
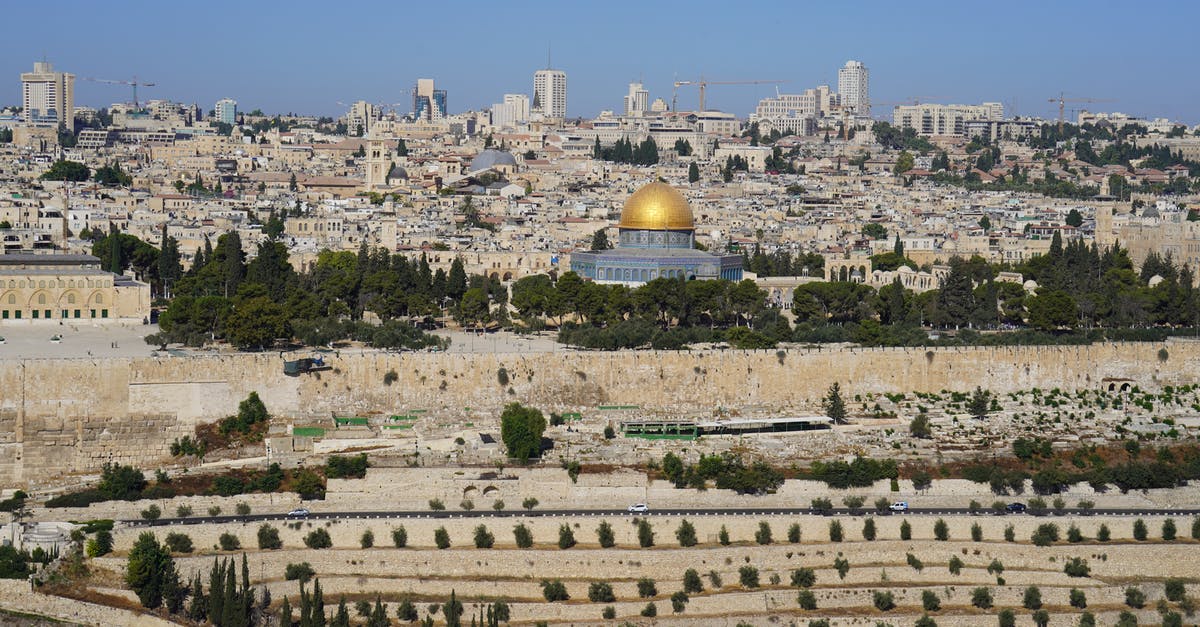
<point x="71" y="415"/>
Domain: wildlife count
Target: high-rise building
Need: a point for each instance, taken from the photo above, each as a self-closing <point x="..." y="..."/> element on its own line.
<point x="945" y="120"/>
<point x="638" y="100"/>
<point x="428" y="103"/>
<point x="550" y="93"/>
<point x="225" y="111"/>
<point x="362" y="116"/>
<point x="48" y="97"/>
<point x="853" y="88"/>
<point x="513" y="111"/>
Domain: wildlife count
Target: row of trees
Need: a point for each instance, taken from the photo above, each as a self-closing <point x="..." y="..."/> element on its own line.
<point x="645" y="153"/>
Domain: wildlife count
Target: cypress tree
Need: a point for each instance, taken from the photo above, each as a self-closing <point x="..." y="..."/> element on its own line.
<point x="285" y="613"/>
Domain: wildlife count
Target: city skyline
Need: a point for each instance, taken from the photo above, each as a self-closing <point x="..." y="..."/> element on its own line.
<point x="935" y="51"/>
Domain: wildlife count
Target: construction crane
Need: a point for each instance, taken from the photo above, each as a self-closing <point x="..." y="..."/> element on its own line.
<point x="134" y="82"/>
<point x="1062" y="101"/>
<point x="704" y="86"/>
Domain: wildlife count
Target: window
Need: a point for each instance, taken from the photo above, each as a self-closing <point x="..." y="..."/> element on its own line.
<point x="41" y="299"/>
<point x="35" y="314"/>
<point x="18" y="314"/>
<point x="92" y="313"/>
<point x="4" y="314"/>
<point x="47" y="314"/>
<point x="103" y="313"/>
<point x="64" y="314"/>
<point x="76" y="313"/>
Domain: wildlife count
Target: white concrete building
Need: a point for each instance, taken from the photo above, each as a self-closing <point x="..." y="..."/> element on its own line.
<point x="637" y="101"/>
<point x="550" y="93"/>
<point x="853" y="87"/>
<point x="48" y="97"/>
<point x="512" y="112"/>
<point x="944" y="120"/>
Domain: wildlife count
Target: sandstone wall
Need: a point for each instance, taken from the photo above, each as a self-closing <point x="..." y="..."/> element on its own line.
<point x="71" y="415"/>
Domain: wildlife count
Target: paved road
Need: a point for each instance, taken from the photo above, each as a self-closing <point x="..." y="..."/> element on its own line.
<point x="755" y="511"/>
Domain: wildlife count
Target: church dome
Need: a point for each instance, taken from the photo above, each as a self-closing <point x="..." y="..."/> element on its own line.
<point x="657" y="207"/>
<point x="491" y="158"/>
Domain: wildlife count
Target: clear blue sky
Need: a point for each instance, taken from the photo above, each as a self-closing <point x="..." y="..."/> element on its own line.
<point x="305" y="56"/>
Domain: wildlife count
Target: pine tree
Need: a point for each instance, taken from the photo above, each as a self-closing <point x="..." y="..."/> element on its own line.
<point x="342" y="618"/>
<point x="693" y="173"/>
<point x="456" y="283"/>
<point x="835" y="407"/>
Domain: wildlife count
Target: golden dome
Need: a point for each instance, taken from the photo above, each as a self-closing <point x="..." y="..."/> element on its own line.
<point x="657" y="207"/>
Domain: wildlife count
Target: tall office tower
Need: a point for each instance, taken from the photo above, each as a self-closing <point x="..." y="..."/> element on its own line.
<point x="226" y="111"/>
<point x="428" y="103"/>
<point x="48" y="97"/>
<point x="853" y="89"/>
<point x="361" y="117"/>
<point x="638" y="100"/>
<point x="550" y="93"/>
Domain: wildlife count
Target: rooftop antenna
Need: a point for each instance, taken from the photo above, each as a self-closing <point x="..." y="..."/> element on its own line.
<point x="549" y="66"/>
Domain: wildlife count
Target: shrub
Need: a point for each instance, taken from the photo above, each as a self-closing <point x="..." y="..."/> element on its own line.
<point x="1076" y="567"/>
<point x="1045" y="535"/>
<point x="905" y="531"/>
<point x="996" y="567"/>
<point x="981" y="598"/>
<point x="153" y="512"/>
<point x="822" y="506"/>
<point x="1196" y="528"/>
<point x="1134" y="597"/>
<point x="100" y="545"/>
<point x="183" y="511"/>
<point x="268" y="538"/>
<point x="1041" y="618"/>
<point x="600" y="592"/>
<point x="1074" y="534"/>
<point x="793" y="533"/>
<point x="483" y="538"/>
<point x="723" y="536"/>
<point x="566" y="537"/>
<point x="1037" y="506"/>
<point x="974" y="506"/>
<point x="868" y="530"/>
<point x="807" y="600"/>
<point x="1174" y="590"/>
<point x="1007" y="618"/>
<point x="646" y="588"/>
<point x="854" y="503"/>
<point x="179" y="542"/>
<point x="1032" y="599"/>
<point x="1078" y="598"/>
<point x="524" y="537"/>
<point x="884" y="601"/>
<point x="318" y="539"/>
<point x="1168" y="529"/>
<point x="215" y="510"/>
<point x="466" y="505"/>
<point x="842" y="565"/>
<point x="498" y="504"/>
<point x="301" y="572"/>
<point x="367" y="540"/>
<point x="229" y="542"/>
<point x="529" y="503"/>
<point x="1139" y="530"/>
<point x="650" y="610"/>
<point x="605" y="535"/>
<point x="441" y="538"/>
<point x="1103" y="534"/>
<point x="645" y="533"/>
<point x="941" y="531"/>
<point x="242" y="509"/>
<point x="407" y="612"/>
<point x="714" y="578"/>
<point x="1087" y="619"/>
<point x="400" y="537"/>
<point x="436" y="505"/>
<point x="609" y="613"/>
<point x="925" y="621"/>
<point x="976" y="533"/>
<point x="1172" y="619"/>
<point x="554" y="590"/>
<point x="956" y="565"/>
<point x="930" y="601"/>
<point x="1059" y="505"/>
<point x="1126" y="619"/>
<point x="881" y="505"/>
<point x="912" y="560"/>
<point x="1010" y="535"/>
<point x="679" y="601"/>
<point x="686" y="534"/>
<point x="691" y="581"/>
<point x="763" y="535"/>
<point x="748" y="576"/>
<point x="804" y="577"/>
<point x="835" y="531"/>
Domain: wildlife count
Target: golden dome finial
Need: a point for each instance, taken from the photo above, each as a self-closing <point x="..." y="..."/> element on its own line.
<point x="657" y="207"/>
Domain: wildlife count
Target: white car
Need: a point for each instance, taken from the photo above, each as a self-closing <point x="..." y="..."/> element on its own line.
<point x="899" y="506"/>
<point x="639" y="508"/>
<point x="299" y="512"/>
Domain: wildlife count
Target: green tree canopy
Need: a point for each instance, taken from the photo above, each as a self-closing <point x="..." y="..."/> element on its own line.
<point x="521" y="430"/>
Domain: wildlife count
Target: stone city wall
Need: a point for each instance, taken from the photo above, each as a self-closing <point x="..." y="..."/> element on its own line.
<point x="72" y="415"/>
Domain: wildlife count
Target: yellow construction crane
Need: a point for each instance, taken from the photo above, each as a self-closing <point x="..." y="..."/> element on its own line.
<point x="1062" y="101"/>
<point x="134" y="82"/>
<point x="704" y="86"/>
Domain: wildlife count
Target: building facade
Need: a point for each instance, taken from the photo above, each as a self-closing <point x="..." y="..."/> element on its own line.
<point x="513" y="112"/>
<point x="854" y="88"/>
<point x="429" y="104"/>
<point x="930" y="120"/>
<point x="67" y="287"/>
<point x="637" y="101"/>
<point x="550" y="93"/>
<point x="48" y="97"/>
<point x="657" y="240"/>
<point x="225" y="111"/>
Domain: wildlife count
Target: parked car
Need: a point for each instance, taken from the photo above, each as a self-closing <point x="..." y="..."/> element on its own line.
<point x="899" y="506"/>
<point x="299" y="512"/>
<point x="1016" y="508"/>
<point x="638" y="508"/>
